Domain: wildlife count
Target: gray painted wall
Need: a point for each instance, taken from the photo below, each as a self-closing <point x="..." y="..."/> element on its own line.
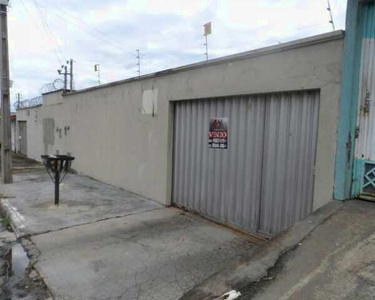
<point x="122" y="133"/>
<point x="33" y="117"/>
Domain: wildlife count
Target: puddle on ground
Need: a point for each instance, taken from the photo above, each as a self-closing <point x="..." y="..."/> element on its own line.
<point x="20" y="284"/>
<point x="18" y="261"/>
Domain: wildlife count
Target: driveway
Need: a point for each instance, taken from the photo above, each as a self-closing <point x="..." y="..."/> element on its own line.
<point x="153" y="255"/>
<point x="107" y="243"/>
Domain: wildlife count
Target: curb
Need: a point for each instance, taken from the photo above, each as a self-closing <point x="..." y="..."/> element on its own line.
<point x="14" y="217"/>
<point x="256" y="264"/>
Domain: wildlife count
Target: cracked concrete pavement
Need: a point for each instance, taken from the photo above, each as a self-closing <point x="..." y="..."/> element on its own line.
<point x="29" y="202"/>
<point x="153" y="255"/>
<point x="106" y="243"/>
<point x="336" y="261"/>
<point x="255" y="265"/>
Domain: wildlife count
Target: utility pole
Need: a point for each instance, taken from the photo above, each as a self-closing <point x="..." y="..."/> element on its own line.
<point x="139" y="63"/>
<point x="97" y="69"/>
<point x="18" y="96"/>
<point x="207" y="31"/>
<point x="330" y="13"/>
<point x="65" y="73"/>
<point x="65" y="77"/>
<point x="6" y="153"/>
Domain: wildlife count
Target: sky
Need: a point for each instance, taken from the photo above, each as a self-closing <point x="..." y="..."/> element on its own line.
<point x="44" y="34"/>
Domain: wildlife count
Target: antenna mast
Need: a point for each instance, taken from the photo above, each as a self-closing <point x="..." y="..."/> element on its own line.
<point x="97" y="69"/>
<point x="330" y="13"/>
<point x="207" y="31"/>
<point x="139" y="62"/>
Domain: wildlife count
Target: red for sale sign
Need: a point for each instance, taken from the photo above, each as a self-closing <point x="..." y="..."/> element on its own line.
<point x="218" y="133"/>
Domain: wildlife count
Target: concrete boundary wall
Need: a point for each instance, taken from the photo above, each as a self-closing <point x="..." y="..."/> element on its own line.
<point x="122" y="133"/>
<point x="34" y="123"/>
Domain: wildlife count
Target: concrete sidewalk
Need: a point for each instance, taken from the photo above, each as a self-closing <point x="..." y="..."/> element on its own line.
<point x="329" y="255"/>
<point x="29" y="202"/>
<point x="336" y="261"/>
<point x="251" y="268"/>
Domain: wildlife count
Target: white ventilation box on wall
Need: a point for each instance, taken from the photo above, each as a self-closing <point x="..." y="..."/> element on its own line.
<point x="150" y="102"/>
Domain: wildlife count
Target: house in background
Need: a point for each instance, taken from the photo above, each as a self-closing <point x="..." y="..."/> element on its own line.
<point x="23" y="136"/>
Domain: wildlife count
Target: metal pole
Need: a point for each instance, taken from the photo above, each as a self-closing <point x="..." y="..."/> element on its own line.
<point x="71" y="75"/>
<point x="97" y="70"/>
<point x="330" y="13"/>
<point x="206" y="44"/>
<point x="65" y="78"/>
<point x="139" y="63"/>
<point x="6" y="153"/>
<point x="57" y="186"/>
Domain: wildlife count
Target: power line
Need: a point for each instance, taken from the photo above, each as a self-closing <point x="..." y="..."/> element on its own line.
<point x="107" y="39"/>
<point x="282" y="31"/>
<point x="36" y="22"/>
<point x="151" y="59"/>
<point x="83" y="22"/>
<point x="303" y="28"/>
<point x="110" y="38"/>
<point x="79" y="27"/>
<point x="48" y="30"/>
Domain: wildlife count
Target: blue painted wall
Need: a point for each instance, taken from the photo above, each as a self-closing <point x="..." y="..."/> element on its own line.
<point x="367" y="15"/>
<point x="367" y="30"/>
<point x="349" y="100"/>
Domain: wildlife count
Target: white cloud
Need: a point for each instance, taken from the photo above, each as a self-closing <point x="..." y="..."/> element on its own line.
<point x="183" y="8"/>
<point x="168" y="33"/>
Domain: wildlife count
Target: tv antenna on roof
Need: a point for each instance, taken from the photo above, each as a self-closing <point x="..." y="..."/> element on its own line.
<point x="330" y="13"/>
<point x="207" y="31"/>
<point x="139" y="63"/>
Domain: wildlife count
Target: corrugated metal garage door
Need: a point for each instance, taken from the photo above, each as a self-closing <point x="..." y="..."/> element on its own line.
<point x="288" y="161"/>
<point x="263" y="182"/>
<point x="221" y="184"/>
